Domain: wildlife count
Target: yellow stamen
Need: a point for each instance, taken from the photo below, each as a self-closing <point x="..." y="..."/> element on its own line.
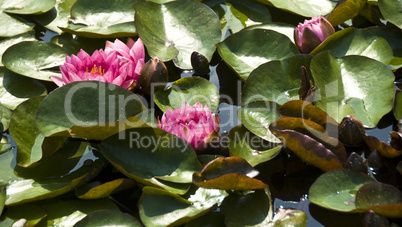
<point x="96" y="70"/>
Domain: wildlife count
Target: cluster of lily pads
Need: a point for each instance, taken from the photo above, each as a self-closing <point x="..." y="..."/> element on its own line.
<point x="98" y="132"/>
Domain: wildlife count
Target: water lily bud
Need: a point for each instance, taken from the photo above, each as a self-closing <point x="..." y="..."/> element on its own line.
<point x="199" y="63"/>
<point x="351" y="131"/>
<point x="153" y="76"/>
<point x="371" y="218"/>
<point x="312" y="33"/>
<point x="355" y="162"/>
<point x="374" y="159"/>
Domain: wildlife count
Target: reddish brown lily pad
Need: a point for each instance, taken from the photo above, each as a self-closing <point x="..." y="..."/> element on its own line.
<point x="383" y="199"/>
<point x="313" y="130"/>
<point x="308" y="149"/>
<point x="384" y="149"/>
<point x="232" y="173"/>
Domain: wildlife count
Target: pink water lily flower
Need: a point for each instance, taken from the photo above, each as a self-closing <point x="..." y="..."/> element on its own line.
<point x="119" y="64"/>
<point x="312" y="33"/>
<point x="194" y="124"/>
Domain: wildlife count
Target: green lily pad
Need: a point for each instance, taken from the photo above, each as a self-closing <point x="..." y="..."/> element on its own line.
<point x="232" y="173"/>
<point x="277" y="81"/>
<point x="246" y="50"/>
<point x="15" y="89"/>
<point x="162" y="208"/>
<point x="6" y="43"/>
<point x="256" y="117"/>
<point x="381" y="198"/>
<point x="397" y="107"/>
<point x="394" y="38"/>
<point x="256" y="209"/>
<point x="290" y="217"/>
<point x="102" y="19"/>
<point x="243" y="143"/>
<point x="383" y="148"/>
<point x="13" y="25"/>
<point x="211" y="219"/>
<point x="3" y="197"/>
<point x="286" y="29"/>
<point x="32" y="213"/>
<point x="69" y="212"/>
<point x="336" y="190"/>
<point x="29" y="140"/>
<point x="345" y="11"/>
<point x="5" y="117"/>
<point x="191" y="90"/>
<point x="27" y="6"/>
<point x="97" y="190"/>
<point x="236" y="15"/>
<point x="308" y="149"/>
<point x="353" y="85"/>
<point x="108" y="218"/>
<point x="174" y="30"/>
<point x="307" y="8"/>
<point x="391" y="10"/>
<point x="49" y="179"/>
<point x="34" y="59"/>
<point x="73" y="44"/>
<point x="84" y="106"/>
<point x="144" y="148"/>
<point x="57" y="16"/>
<point x="353" y="41"/>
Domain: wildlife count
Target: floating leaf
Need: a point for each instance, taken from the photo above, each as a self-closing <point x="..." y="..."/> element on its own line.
<point x="236" y="15"/>
<point x="136" y="152"/>
<point x="86" y="106"/>
<point x="13" y="25"/>
<point x="31" y="213"/>
<point x="381" y="198"/>
<point x="102" y="19"/>
<point x="397" y="107"/>
<point x="336" y="190"/>
<point x="286" y="29"/>
<point x="353" y="41"/>
<point x="345" y="11"/>
<point x="69" y="212"/>
<point x="108" y="218"/>
<point x="5" y="116"/>
<point x="246" y="50"/>
<point x="211" y="219"/>
<point x="289" y="217"/>
<point x="3" y="197"/>
<point x="73" y="44"/>
<point x="57" y="16"/>
<point x="353" y="85"/>
<point x="97" y="190"/>
<point x="243" y="143"/>
<point x="49" y="179"/>
<point x="27" y="6"/>
<point x="15" y="89"/>
<point x="256" y="209"/>
<point x="174" y="30"/>
<point x="308" y="149"/>
<point x="307" y="8"/>
<point x="256" y="117"/>
<point x="232" y="173"/>
<point x="34" y="59"/>
<point x="29" y="140"/>
<point x="383" y="148"/>
<point x="6" y="43"/>
<point x="191" y="90"/>
<point x="278" y="81"/>
<point x="162" y="208"/>
<point x="391" y="10"/>
<point x="313" y="130"/>
<point x="306" y="110"/>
